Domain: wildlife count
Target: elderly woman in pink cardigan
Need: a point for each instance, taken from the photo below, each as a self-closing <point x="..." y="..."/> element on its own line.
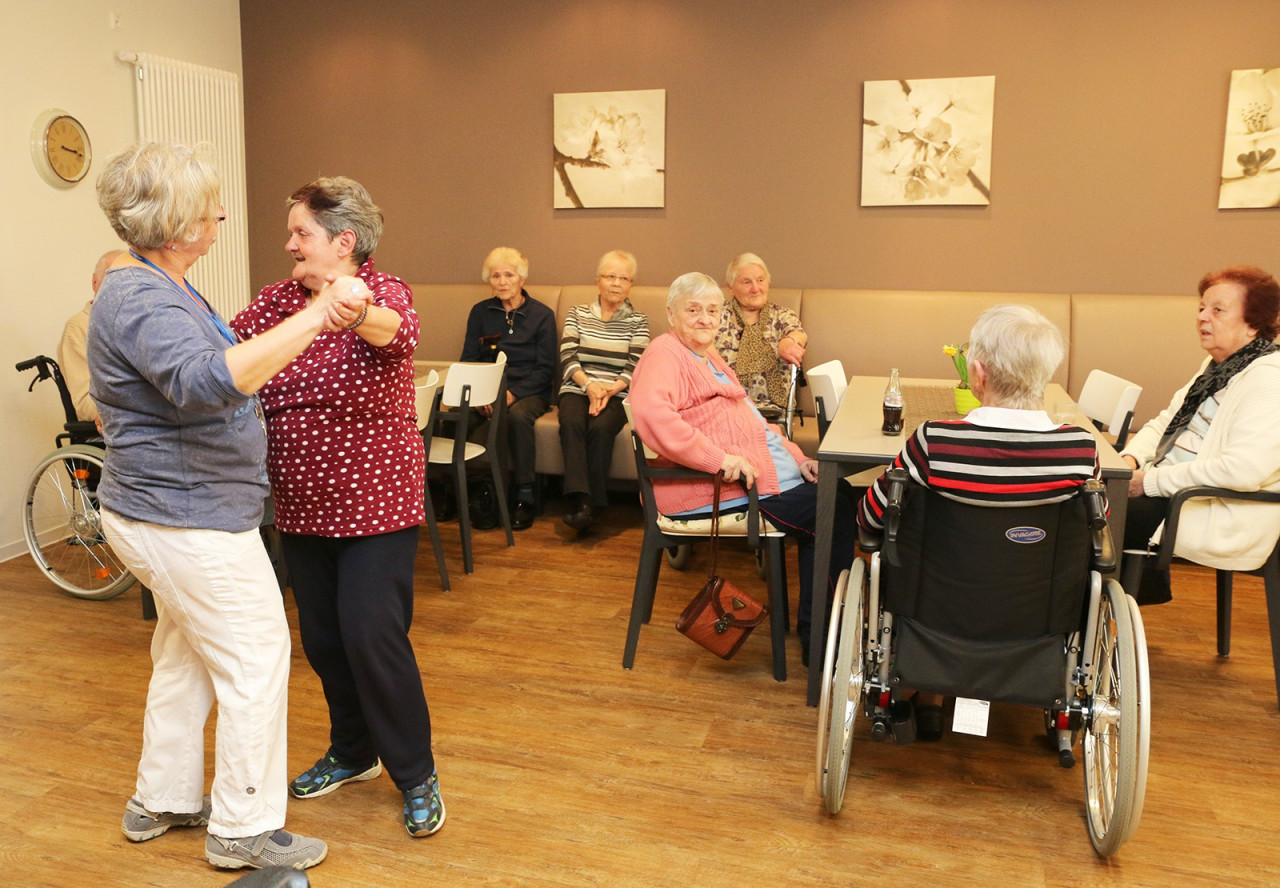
<point x="689" y="407"/>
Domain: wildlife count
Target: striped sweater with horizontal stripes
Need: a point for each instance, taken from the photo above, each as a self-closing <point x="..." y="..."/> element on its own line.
<point x="986" y="465"/>
<point x="605" y="350"/>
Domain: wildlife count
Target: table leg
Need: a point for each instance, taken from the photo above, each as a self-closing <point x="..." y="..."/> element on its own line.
<point x="1118" y="503"/>
<point x="828" y="478"/>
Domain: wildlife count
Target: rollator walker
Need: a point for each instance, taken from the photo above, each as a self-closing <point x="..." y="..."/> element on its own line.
<point x="1002" y="604"/>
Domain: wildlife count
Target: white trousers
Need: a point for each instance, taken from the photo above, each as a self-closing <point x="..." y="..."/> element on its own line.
<point x="221" y="634"/>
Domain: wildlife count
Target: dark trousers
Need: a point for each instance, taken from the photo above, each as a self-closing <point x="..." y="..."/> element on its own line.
<point x="796" y="512"/>
<point x="587" y="444"/>
<point x="521" y="443"/>
<point x="1143" y="516"/>
<point x="355" y="606"/>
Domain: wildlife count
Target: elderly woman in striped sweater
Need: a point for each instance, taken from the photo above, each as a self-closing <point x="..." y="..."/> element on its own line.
<point x="1008" y="451"/>
<point x="601" y="343"/>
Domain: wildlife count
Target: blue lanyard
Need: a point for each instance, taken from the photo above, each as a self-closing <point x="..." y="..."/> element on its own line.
<point x="199" y="300"/>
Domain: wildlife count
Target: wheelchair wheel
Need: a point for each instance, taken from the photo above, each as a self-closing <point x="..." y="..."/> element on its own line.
<point x="1113" y="730"/>
<point x="842" y="686"/>
<point x="62" y="528"/>
<point x="1144" y="714"/>
<point x="680" y="556"/>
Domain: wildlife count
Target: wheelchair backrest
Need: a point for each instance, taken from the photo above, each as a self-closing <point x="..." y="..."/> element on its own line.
<point x="989" y="573"/>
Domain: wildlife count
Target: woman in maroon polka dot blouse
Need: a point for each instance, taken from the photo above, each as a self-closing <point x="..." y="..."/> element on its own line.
<point x="346" y="465"/>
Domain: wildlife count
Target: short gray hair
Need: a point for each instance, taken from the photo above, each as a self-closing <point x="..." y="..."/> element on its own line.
<point x="731" y="273"/>
<point x="622" y="256"/>
<point x="505" y="256"/>
<point x="338" y="204"/>
<point x="691" y="285"/>
<point x="156" y="193"/>
<point x="1020" y="349"/>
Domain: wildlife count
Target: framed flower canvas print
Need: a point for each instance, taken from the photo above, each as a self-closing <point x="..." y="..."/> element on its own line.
<point x="610" y="149"/>
<point x="927" y="142"/>
<point x="1251" y="149"/>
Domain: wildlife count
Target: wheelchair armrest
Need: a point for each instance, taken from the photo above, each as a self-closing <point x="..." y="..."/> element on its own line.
<point x="81" y="430"/>
<point x="897" y="478"/>
<point x="1176" y="502"/>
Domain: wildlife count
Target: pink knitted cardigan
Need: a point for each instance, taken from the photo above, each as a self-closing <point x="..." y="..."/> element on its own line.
<point x="683" y="413"/>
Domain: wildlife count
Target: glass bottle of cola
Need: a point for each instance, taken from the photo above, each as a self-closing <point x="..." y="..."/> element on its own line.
<point x="893" y="405"/>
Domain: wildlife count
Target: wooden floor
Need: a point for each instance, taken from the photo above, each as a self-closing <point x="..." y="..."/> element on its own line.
<point x="559" y="768"/>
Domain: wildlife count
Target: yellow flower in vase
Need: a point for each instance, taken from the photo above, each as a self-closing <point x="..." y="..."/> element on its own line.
<point x="965" y="400"/>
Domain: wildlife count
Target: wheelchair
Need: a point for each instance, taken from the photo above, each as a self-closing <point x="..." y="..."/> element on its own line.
<point x="1004" y="604"/>
<point x="60" y="519"/>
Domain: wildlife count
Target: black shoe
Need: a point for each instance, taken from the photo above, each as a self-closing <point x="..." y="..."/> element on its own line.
<point x="582" y="517"/>
<point x="483" y="505"/>
<point x="522" y="516"/>
<point x="443" y="500"/>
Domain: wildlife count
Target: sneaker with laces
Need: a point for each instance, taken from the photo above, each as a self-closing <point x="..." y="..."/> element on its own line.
<point x="328" y="774"/>
<point x="274" y="848"/>
<point x="139" y="824"/>
<point x="423" y="808"/>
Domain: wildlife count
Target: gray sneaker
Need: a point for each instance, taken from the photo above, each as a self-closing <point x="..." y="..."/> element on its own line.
<point x="139" y="824"/>
<point x="278" y="848"/>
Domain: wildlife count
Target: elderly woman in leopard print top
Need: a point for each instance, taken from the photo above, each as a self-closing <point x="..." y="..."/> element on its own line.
<point x="759" y="338"/>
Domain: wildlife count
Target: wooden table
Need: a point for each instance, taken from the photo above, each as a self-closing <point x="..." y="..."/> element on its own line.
<point x="854" y="442"/>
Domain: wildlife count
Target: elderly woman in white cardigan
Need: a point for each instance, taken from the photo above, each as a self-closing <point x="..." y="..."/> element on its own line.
<point x="1222" y="430"/>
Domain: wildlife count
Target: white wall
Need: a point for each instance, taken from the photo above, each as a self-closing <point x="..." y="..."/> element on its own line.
<point x="64" y="56"/>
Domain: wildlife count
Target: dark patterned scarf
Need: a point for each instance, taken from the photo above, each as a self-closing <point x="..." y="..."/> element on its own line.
<point x="1213" y="380"/>
<point x="757" y="355"/>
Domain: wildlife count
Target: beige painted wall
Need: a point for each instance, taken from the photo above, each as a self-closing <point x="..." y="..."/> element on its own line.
<point x="1108" y="135"/>
<point x="64" y="56"/>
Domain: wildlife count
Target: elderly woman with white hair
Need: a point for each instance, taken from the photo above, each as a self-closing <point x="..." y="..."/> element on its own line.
<point x="759" y="339"/>
<point x="182" y="495"/>
<point x="601" y="343"/>
<point x="1013" y="353"/>
<point x="689" y="407"/>
<point x="522" y="328"/>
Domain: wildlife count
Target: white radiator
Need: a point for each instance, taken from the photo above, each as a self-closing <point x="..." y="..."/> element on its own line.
<point x="181" y="102"/>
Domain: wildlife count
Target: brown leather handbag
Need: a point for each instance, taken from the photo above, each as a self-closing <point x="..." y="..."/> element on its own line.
<point x="720" y="616"/>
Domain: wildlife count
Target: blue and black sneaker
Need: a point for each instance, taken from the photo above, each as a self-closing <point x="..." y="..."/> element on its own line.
<point x="328" y="774"/>
<point x="423" y="808"/>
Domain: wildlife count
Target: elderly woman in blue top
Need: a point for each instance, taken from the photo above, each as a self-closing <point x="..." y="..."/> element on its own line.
<point x="601" y="343"/>
<point x="182" y="496"/>
<point x="514" y="323"/>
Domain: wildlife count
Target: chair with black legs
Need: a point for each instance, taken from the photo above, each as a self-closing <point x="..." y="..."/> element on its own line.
<point x="465" y="386"/>
<point x="827" y="382"/>
<point x="1269" y="570"/>
<point x="426" y="397"/>
<point x="662" y="533"/>
<point x="1109" y="402"/>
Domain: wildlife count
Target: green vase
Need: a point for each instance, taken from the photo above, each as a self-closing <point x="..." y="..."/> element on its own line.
<point x="965" y="401"/>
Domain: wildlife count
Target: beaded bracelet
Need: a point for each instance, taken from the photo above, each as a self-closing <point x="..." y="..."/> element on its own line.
<point x="360" y="320"/>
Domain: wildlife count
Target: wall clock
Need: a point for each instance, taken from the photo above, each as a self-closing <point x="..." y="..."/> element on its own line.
<point x="60" y="148"/>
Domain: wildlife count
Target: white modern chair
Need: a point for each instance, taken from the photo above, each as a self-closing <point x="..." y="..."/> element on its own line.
<point x="1109" y="401"/>
<point x="466" y="386"/>
<point x="827" y="383"/>
<point x="425" y="391"/>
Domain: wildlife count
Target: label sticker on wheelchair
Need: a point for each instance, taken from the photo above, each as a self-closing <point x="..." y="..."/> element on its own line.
<point x="971" y="716"/>
<point x="1025" y="534"/>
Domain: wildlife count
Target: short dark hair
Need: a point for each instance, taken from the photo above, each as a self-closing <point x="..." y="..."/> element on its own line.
<point x="1261" y="295"/>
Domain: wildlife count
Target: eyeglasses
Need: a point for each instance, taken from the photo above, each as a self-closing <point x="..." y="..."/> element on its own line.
<point x="616" y="278"/>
